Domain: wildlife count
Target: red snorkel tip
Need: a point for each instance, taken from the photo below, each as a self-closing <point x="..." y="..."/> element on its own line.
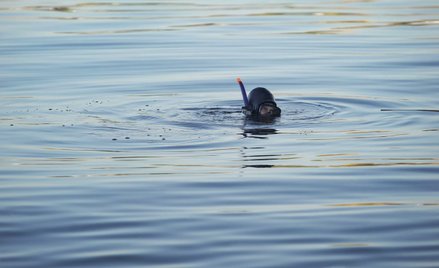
<point x="238" y="80"/>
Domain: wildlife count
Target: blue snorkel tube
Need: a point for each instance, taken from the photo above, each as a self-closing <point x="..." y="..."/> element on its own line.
<point x="244" y="94"/>
<point x="246" y="109"/>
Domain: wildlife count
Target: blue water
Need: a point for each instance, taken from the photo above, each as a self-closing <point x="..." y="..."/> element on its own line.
<point x="123" y="145"/>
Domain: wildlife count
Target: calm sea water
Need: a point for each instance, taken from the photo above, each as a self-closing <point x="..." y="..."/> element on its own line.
<point x="122" y="142"/>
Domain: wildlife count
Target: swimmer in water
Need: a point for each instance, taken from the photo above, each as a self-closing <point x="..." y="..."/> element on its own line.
<point x="260" y="103"/>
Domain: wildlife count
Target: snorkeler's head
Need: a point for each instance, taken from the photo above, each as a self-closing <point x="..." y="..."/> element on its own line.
<point x="262" y="103"/>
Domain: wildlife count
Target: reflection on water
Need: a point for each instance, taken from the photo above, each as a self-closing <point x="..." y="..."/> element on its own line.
<point x="368" y="204"/>
<point x="231" y="15"/>
<point x="123" y="142"/>
<point x="257" y="132"/>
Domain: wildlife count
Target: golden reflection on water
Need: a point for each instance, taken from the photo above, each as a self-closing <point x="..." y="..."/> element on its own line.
<point x="356" y="19"/>
<point x="368" y="204"/>
<point x="348" y="29"/>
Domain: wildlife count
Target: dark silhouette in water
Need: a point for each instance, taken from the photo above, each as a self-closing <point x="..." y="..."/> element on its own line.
<point x="260" y="103"/>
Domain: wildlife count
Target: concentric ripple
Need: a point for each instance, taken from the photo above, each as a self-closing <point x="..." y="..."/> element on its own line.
<point x="215" y="115"/>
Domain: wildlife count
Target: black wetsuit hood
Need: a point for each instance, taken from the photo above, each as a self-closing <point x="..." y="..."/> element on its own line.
<point x="259" y="96"/>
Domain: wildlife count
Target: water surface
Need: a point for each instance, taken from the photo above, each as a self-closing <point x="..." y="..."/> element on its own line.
<point x="122" y="142"/>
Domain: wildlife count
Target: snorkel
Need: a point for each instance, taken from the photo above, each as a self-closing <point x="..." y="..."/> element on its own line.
<point x="243" y="92"/>
<point x="246" y="109"/>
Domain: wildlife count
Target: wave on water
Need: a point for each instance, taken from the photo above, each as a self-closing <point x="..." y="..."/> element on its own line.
<point x="123" y="142"/>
